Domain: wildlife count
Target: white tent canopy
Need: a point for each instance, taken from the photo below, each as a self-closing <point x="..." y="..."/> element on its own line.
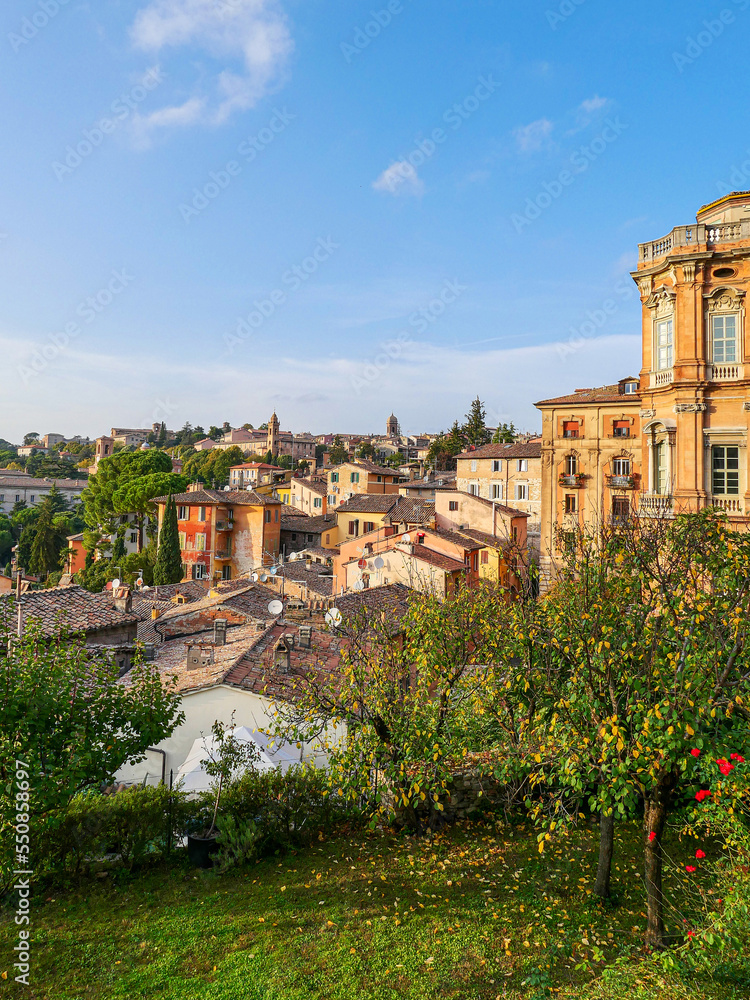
<point x="193" y="777"/>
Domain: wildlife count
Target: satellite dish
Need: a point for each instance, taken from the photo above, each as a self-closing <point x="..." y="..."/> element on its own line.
<point x="273" y="570"/>
<point x="115" y="583"/>
<point x="275" y="607"/>
<point x="406" y="539"/>
<point x="333" y="618"/>
<point x="379" y="562"/>
<point x="263" y="577"/>
<point x="362" y="563"/>
<point x="139" y="582"/>
<point x="359" y="585"/>
<point x="254" y="577"/>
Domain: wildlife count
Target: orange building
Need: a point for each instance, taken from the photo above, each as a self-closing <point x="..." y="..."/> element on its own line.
<point x="225" y="534"/>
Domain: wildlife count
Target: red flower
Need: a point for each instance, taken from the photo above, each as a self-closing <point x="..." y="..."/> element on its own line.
<point x="651" y="837"/>
<point x="702" y="794"/>
<point x="691" y="934"/>
<point x="700" y="854"/>
<point x="695" y="752"/>
<point x="724" y="766"/>
<point x="738" y="757"/>
<point x="690" y="868"/>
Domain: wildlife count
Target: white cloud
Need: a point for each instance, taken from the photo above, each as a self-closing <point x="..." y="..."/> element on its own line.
<point x="594" y="103"/>
<point x="587" y="111"/>
<point x="249" y="38"/>
<point x="534" y="136"/>
<point x="400" y="178"/>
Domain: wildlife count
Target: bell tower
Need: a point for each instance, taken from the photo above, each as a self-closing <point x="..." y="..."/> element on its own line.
<point x="391" y="428"/>
<point x="272" y="439"/>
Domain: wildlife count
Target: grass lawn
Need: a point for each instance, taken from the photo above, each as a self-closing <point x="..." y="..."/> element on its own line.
<point x="475" y="913"/>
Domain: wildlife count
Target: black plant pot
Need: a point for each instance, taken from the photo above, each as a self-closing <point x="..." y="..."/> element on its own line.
<point x="200" y="850"/>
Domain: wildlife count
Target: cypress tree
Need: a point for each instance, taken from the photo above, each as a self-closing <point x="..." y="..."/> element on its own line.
<point x="168" y="568"/>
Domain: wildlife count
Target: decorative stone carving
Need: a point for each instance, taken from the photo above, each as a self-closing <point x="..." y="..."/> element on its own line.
<point x="647" y="414"/>
<point x="725" y="300"/>
<point x="644" y="284"/>
<point x="690" y="407"/>
<point x="688" y="272"/>
<point x="662" y="300"/>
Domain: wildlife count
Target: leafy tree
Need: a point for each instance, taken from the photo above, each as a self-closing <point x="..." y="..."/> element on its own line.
<point x="367" y="450"/>
<point x="474" y="430"/>
<point x="136" y="496"/>
<point x="161" y="437"/>
<point x="45" y="537"/>
<point x="66" y="715"/>
<point x="7" y="538"/>
<point x="168" y="568"/>
<point x="31" y="438"/>
<point x="212" y="466"/>
<point x="215" y="433"/>
<point x="119" y="551"/>
<point x="338" y="454"/>
<point x="642" y="653"/>
<point x="396" y="702"/>
<point x="96" y="574"/>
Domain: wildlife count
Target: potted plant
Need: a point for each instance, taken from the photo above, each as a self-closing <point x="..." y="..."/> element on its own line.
<point x="224" y="757"/>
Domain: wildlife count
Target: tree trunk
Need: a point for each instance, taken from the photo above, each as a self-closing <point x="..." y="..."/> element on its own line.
<point x="655" y="817"/>
<point x="606" y="849"/>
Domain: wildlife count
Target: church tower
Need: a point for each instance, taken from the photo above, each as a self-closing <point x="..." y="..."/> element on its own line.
<point x="392" y="427"/>
<point x="272" y="440"/>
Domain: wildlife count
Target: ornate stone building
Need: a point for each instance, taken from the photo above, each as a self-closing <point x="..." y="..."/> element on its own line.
<point x="675" y="439"/>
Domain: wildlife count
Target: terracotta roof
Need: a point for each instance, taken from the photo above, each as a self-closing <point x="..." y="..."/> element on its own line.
<point x="503" y="508"/>
<point x="316" y="485"/>
<point x="375" y="503"/>
<point x="317" y="581"/>
<point x="392" y="599"/>
<point x="437" y="559"/>
<point x="208" y="498"/>
<point x="453" y="536"/>
<point x="256" y="465"/>
<point x="312" y="525"/>
<point x="241" y="605"/>
<point x="604" y="394"/>
<point x="411" y="510"/>
<point x="487" y="540"/>
<point x="70" y="608"/>
<point x="531" y="449"/>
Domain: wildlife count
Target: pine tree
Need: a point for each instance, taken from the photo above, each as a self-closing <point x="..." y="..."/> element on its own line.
<point x="168" y="568"/>
<point x="475" y="429"/>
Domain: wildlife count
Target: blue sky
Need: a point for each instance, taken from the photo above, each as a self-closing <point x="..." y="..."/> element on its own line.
<point x="213" y="208"/>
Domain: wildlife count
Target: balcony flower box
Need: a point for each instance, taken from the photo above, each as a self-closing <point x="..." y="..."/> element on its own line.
<point x="621" y="482"/>
<point x="576" y="481"/>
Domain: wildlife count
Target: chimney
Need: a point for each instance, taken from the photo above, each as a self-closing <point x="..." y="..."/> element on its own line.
<point x="199" y="655"/>
<point x="305" y="636"/>
<point x="122" y="599"/>
<point x="148" y="652"/>
<point x="282" y="657"/>
<point x="220" y="632"/>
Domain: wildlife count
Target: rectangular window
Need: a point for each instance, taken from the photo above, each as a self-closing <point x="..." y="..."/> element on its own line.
<point x="621" y="467"/>
<point x="570" y="503"/>
<point x="334" y="477"/>
<point x="474" y="489"/>
<point x="182" y="542"/>
<point x="226" y="572"/>
<point x="200" y="572"/>
<point x="497" y="465"/>
<point x="32" y="498"/>
<point x="276" y="515"/>
<point x="268" y="517"/>
<point x="620" y="510"/>
<point x="133" y="537"/>
<point x="725" y="463"/>
<point x="664" y="345"/>
<point x="571" y="465"/>
<point x="310" y="539"/>
<point x="724" y="339"/>
<point x="485" y="557"/>
<point x="621" y="429"/>
<point x="354" y="527"/>
<point x="183" y="513"/>
<point x="294" y="536"/>
<point x="660" y="468"/>
<point x="18" y="497"/>
<point x="522" y="491"/>
<point x="200" y="542"/>
<point x="379" y="479"/>
<point x="496" y="491"/>
<point x="570" y="428"/>
<point x="473" y="465"/>
<point x="368" y="526"/>
<point x="453" y="505"/>
<point x="318" y="502"/>
<point x="522" y="465"/>
<point x="354" y="477"/>
<point x="201" y="513"/>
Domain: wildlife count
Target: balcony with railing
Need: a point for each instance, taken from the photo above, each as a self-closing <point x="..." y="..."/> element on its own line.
<point x="659" y="379"/>
<point x="725" y="373"/>
<point x="621" y="482"/>
<point x="691" y="236"/>
<point x="730" y="505"/>
<point x="575" y="481"/>
<point x="222" y="554"/>
<point x="654" y="504"/>
<point x="224" y="525"/>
